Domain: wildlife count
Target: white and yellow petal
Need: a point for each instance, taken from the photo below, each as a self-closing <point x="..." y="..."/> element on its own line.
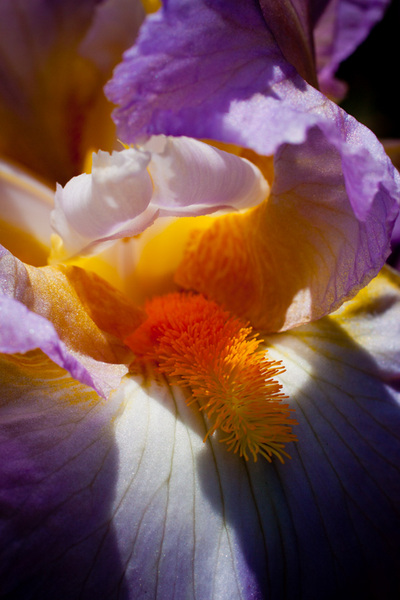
<point x="177" y="518"/>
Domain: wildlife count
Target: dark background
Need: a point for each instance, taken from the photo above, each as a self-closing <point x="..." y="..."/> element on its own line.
<point x="373" y="74"/>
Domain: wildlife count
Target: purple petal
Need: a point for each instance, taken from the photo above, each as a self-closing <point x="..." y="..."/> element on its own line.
<point x="342" y="27"/>
<point x="22" y="330"/>
<point x="129" y="502"/>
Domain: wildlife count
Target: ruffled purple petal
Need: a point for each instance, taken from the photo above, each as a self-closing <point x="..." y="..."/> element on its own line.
<point x="341" y="28"/>
<point x="128" y="502"/>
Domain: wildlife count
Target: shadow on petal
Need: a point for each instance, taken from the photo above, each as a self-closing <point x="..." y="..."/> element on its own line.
<point x="58" y="472"/>
<point x="326" y="523"/>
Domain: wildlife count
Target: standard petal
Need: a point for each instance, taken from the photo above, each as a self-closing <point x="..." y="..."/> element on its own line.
<point x="343" y="25"/>
<point x="72" y="315"/>
<point x="175" y="518"/>
<point x="52" y="73"/>
<point x="128" y="190"/>
<point x="230" y="82"/>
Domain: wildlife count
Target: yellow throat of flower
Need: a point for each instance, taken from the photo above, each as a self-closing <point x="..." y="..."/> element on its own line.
<point x="201" y="346"/>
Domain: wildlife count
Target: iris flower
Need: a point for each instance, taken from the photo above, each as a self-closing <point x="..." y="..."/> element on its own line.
<point x="107" y="487"/>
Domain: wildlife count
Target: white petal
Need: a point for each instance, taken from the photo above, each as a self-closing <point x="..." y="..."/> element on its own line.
<point x="192" y="178"/>
<point x="110" y="202"/>
<point x="128" y="190"/>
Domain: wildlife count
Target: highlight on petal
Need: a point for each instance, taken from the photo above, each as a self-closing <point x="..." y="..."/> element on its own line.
<point x="343" y="25"/>
<point x="72" y="315"/>
<point x="51" y="78"/>
<point x="192" y="178"/>
<point x="128" y="190"/>
<point x="25" y="214"/>
<point x="178" y="518"/>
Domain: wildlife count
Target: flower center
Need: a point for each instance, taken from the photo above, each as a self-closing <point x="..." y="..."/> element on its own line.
<point x="204" y="348"/>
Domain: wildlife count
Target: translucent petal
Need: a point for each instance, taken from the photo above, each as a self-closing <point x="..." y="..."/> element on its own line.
<point x="72" y="315"/>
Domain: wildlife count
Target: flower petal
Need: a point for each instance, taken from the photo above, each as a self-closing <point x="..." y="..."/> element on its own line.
<point x="112" y="202"/>
<point x="299" y="255"/>
<point x="25" y="214"/>
<point x="291" y="23"/>
<point x="128" y="190"/>
<point x="51" y="79"/>
<point x="59" y="469"/>
<point x="22" y="331"/>
<point x="176" y="518"/>
<point x="192" y="178"/>
<point x="238" y="89"/>
<point x="342" y="27"/>
<point x="228" y="81"/>
<point x="73" y="316"/>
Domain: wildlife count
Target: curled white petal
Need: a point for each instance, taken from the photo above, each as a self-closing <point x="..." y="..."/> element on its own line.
<point x="109" y="203"/>
<point x="128" y="190"/>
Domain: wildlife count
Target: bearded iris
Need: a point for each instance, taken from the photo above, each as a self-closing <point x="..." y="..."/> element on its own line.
<point x="119" y="497"/>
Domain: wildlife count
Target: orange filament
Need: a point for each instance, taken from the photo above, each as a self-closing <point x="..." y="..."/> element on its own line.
<point x="203" y="347"/>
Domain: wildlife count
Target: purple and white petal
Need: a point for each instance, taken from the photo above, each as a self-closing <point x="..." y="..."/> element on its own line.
<point x="176" y="518"/>
<point x="22" y="330"/>
<point x="230" y="82"/>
